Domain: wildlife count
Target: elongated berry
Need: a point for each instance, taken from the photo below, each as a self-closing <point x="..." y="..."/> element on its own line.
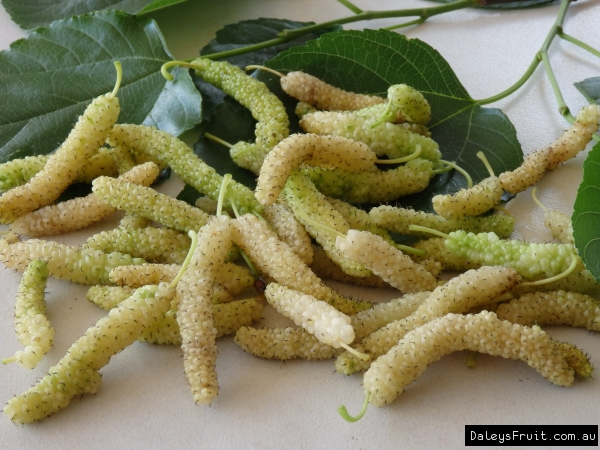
<point x="292" y="343"/>
<point x="399" y="221"/>
<point x="553" y="308"/>
<point x="484" y="332"/>
<point x="32" y="326"/>
<point x="324" y="267"/>
<point x="460" y="294"/>
<point x="391" y="140"/>
<point x="278" y="261"/>
<point x="79" y="212"/>
<point x="529" y="259"/>
<point x="146" y="202"/>
<point x="69" y="160"/>
<point x="289" y="230"/>
<point x="567" y="146"/>
<point x="148" y="143"/>
<point x="194" y="311"/>
<point x="316" y="316"/>
<point x="66" y="262"/>
<point x="272" y="121"/>
<point x="310" y="89"/>
<point x="469" y="202"/>
<point x="77" y="372"/>
<point x="386" y="261"/>
<point x="311" y="149"/>
<point x="153" y="244"/>
<point x="372" y="186"/>
<point x="322" y="221"/>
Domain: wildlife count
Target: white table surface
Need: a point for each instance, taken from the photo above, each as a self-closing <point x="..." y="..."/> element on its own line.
<point x="144" y="401"/>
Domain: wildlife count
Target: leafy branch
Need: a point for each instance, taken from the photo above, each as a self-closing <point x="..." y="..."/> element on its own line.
<point x="358" y="16"/>
<point x="422" y="15"/>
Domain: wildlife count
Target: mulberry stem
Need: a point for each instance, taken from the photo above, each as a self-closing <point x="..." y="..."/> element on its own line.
<point x="362" y="356"/>
<point x="461" y="170"/>
<point x="212" y="137"/>
<point x="226" y="179"/>
<point x="415" y="154"/>
<point x="194" y="237"/>
<point x="118" y="81"/>
<point x="342" y="411"/>
<point x="267" y="69"/>
<point x="486" y="163"/>
<point x="564" y="274"/>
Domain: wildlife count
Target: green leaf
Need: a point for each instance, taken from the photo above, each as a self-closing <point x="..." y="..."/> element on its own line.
<point x="243" y="34"/>
<point x="177" y="108"/>
<point x="37" y="13"/>
<point x="369" y="61"/>
<point x="158" y="4"/>
<point x="189" y="195"/>
<point x="586" y="214"/>
<point x="47" y="80"/>
<point x="590" y="88"/>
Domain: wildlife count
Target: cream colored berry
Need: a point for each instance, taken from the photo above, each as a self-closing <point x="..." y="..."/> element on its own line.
<point x="227" y="319"/>
<point x="323" y="266"/>
<point x="150" y="144"/>
<point x="79" y="212"/>
<point x="108" y="297"/>
<point x="310" y="89"/>
<point x="146" y="202"/>
<point x="230" y="277"/>
<point x="76" y="264"/>
<point x="553" y="308"/>
<point x="321" y="220"/>
<point x="282" y="343"/>
<point x="386" y="139"/>
<point x="567" y="146"/>
<point x="469" y="202"/>
<point x="378" y="186"/>
<point x="316" y="316"/>
<point x="76" y="373"/>
<point x="194" y="311"/>
<point x="69" y="160"/>
<point x="484" y="332"/>
<point x="278" y="261"/>
<point x="576" y="138"/>
<point x="32" y="327"/>
<point x="314" y="150"/>
<point x="399" y="220"/>
<point x="463" y="292"/>
<point x="289" y="230"/>
<point x="386" y="261"/>
<point x="155" y="244"/>
<point x="292" y="343"/>
<point x="527" y="174"/>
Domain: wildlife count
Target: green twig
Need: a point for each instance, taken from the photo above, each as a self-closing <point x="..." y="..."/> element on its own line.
<point x="577" y="42"/>
<point x="193" y="235"/>
<point x="461" y="170"/>
<point x="562" y="106"/>
<point x="515" y="87"/>
<point x="540" y="56"/>
<point x="342" y="411"/>
<point x="287" y="35"/>
<point x="355" y="9"/>
<point x="418" y="21"/>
